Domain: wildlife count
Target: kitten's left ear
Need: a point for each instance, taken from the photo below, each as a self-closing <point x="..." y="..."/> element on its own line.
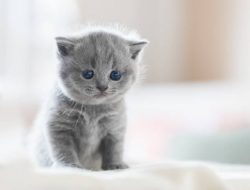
<point x="65" y="45"/>
<point x="135" y="47"/>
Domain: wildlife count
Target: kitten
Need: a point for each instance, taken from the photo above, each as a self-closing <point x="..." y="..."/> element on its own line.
<point x="83" y="123"/>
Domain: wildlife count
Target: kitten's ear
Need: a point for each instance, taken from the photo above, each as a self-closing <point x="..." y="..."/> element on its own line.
<point x="135" y="47"/>
<point x="65" y="46"/>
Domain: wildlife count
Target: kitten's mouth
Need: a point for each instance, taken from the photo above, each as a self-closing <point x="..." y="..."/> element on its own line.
<point x="101" y="95"/>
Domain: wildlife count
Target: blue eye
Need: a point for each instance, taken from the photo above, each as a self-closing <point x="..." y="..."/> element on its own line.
<point x="115" y="75"/>
<point x="87" y="74"/>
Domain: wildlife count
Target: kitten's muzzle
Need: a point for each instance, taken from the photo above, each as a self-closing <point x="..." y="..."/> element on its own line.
<point x="102" y="88"/>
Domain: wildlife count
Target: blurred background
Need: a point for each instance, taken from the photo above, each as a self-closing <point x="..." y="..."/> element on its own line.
<point x="194" y="101"/>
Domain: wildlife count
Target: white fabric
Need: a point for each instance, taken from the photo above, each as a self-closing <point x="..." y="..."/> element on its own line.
<point x="162" y="176"/>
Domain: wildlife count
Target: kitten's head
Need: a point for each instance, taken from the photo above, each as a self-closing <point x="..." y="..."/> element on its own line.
<point x="98" y="67"/>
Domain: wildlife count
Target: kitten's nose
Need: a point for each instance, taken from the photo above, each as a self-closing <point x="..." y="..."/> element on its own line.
<point x="102" y="88"/>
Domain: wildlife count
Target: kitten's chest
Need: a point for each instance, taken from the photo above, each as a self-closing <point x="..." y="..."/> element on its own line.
<point x="92" y="122"/>
<point x="95" y="123"/>
<point x="94" y="126"/>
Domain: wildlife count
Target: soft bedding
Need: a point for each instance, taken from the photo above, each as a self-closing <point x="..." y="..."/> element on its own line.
<point x="161" y="176"/>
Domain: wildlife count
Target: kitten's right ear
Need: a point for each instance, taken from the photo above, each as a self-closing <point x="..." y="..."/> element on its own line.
<point x="65" y="46"/>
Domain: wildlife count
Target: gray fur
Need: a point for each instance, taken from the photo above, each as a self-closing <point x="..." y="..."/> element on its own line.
<point x="79" y="126"/>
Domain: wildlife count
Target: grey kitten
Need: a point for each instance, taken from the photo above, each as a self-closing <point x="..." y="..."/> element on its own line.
<point x="83" y="123"/>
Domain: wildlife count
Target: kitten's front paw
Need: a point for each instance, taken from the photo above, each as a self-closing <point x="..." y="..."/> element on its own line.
<point x="60" y="165"/>
<point x="115" y="166"/>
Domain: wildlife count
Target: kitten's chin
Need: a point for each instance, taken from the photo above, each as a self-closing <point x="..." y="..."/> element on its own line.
<point x="102" y="99"/>
<point x="83" y="98"/>
<point x="94" y="100"/>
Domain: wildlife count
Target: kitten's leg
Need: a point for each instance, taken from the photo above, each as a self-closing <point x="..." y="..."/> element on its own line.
<point x="63" y="148"/>
<point x="112" y="150"/>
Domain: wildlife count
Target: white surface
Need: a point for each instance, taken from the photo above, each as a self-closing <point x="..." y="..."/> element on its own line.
<point x="17" y="173"/>
<point x="162" y="176"/>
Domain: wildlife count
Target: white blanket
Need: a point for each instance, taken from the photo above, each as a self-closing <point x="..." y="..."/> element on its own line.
<point x="161" y="176"/>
